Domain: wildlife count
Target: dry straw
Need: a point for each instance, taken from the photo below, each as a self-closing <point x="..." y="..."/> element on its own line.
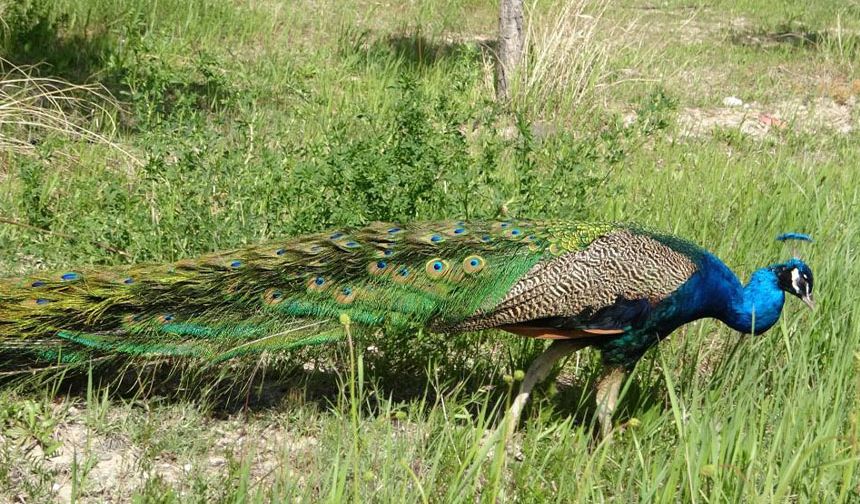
<point x="33" y="106"/>
<point x="567" y="60"/>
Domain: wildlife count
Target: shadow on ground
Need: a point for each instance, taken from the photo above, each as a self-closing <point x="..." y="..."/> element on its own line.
<point x="250" y="388"/>
<point x="414" y="48"/>
<point x="798" y="36"/>
<point x="41" y="42"/>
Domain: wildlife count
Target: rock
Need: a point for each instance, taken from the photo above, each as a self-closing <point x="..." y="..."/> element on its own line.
<point x="64" y="493"/>
<point x="732" y="101"/>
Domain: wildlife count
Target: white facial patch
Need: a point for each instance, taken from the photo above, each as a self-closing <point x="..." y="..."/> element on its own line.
<point x="795" y="280"/>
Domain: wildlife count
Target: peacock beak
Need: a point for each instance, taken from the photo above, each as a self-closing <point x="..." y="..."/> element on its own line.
<point x="808" y="300"/>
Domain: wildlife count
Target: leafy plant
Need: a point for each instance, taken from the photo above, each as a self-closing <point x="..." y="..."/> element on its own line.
<point x="29" y="420"/>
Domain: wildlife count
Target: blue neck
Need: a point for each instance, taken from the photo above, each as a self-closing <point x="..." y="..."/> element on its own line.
<point x="755" y="307"/>
<point x="716" y="292"/>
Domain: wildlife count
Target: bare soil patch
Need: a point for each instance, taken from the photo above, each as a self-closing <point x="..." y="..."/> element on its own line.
<point x="813" y="115"/>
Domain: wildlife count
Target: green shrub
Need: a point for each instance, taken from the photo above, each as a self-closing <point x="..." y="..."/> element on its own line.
<point x="28" y="24"/>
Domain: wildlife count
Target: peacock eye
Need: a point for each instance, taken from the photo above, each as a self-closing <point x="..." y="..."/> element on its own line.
<point x="378" y="267"/>
<point x="273" y="296"/>
<point x="473" y="264"/>
<point x="436" y="268"/>
<point x="317" y="283"/>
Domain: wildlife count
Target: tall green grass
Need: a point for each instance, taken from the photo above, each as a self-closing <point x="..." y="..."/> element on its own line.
<point x="260" y="120"/>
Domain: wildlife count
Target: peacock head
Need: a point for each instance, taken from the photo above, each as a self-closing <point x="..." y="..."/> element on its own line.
<point x="795" y="277"/>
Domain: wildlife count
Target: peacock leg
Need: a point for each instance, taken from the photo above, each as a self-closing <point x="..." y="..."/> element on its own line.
<point x="607" y="397"/>
<point x="538" y="371"/>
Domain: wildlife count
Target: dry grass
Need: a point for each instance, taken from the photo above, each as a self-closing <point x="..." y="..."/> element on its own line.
<point x="567" y="58"/>
<point x="32" y="107"/>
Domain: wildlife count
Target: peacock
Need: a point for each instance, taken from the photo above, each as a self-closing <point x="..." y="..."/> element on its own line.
<point x="617" y="287"/>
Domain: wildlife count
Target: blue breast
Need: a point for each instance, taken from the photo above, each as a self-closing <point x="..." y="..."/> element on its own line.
<point x="713" y="291"/>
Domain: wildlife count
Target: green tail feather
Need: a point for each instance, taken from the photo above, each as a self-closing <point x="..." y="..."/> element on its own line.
<point x="280" y="296"/>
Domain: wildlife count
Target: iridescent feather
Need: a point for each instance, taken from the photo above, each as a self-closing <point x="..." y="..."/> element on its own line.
<point x="282" y="295"/>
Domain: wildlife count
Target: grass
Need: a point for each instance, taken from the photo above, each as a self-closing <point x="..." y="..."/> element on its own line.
<point x="40" y="105"/>
<point x="561" y="75"/>
<point x="256" y="120"/>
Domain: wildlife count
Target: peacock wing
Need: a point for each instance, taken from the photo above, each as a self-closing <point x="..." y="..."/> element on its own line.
<point x="604" y="289"/>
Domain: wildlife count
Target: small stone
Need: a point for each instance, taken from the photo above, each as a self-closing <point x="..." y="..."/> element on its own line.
<point x="732" y="101"/>
<point x="186" y="468"/>
<point x="64" y="494"/>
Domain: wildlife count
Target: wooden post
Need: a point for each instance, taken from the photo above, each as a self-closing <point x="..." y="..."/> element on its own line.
<point x="510" y="46"/>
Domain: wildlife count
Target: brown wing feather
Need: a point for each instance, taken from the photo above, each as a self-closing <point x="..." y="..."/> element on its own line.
<point x="620" y="265"/>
